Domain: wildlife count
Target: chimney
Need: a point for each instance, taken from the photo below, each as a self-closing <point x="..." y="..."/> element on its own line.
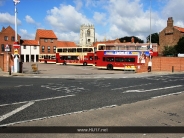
<point x="170" y="22"/>
<point x="2" y="28"/>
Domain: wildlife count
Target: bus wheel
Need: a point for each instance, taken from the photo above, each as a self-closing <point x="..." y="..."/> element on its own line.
<point x="64" y="63"/>
<point x="84" y="64"/>
<point x="109" y="67"/>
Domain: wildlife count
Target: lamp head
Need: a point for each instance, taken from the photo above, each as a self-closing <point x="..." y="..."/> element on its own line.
<point x="16" y="1"/>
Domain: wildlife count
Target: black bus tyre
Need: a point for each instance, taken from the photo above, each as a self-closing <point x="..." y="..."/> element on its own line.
<point x="109" y="67"/>
<point x="64" y="63"/>
<point x="84" y="64"/>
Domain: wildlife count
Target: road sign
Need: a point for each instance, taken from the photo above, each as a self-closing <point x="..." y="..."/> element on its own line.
<point x="151" y="52"/>
<point x="7" y="48"/>
<point x="16" y="45"/>
<point x="16" y="52"/>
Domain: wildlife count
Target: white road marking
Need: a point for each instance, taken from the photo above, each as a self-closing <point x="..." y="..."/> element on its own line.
<point x="167" y="95"/>
<point x="48" y="117"/>
<point x="15" y="111"/>
<point x="23" y="85"/>
<point x="38" y="100"/>
<point x="131" y="86"/>
<point x="128" y="91"/>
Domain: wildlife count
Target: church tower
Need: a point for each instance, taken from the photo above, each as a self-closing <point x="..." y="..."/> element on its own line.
<point x="87" y="35"/>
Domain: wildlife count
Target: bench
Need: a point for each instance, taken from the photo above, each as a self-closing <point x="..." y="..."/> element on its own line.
<point x="34" y="68"/>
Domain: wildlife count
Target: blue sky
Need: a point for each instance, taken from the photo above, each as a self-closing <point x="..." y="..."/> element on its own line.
<point x="112" y="18"/>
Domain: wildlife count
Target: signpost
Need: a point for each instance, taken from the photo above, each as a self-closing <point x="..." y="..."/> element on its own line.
<point x="7" y="49"/>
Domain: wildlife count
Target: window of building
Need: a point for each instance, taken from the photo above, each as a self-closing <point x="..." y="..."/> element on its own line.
<point x="10" y="46"/>
<point x="45" y="40"/>
<point x="48" y="49"/>
<point x="88" y="40"/>
<point x="51" y="40"/>
<point x="24" y="47"/>
<point x="13" y="38"/>
<point x="6" y="38"/>
<point x="35" y="47"/>
<point x="2" y="47"/>
<point x="43" y="48"/>
<point x="88" y="32"/>
<point x="54" y="49"/>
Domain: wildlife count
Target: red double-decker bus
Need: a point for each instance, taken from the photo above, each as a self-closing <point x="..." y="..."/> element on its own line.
<point x="47" y="58"/>
<point x="75" y="56"/>
<point x="121" y="56"/>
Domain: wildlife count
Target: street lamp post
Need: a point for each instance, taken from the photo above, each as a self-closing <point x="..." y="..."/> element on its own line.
<point x="16" y="57"/>
<point x="150" y="25"/>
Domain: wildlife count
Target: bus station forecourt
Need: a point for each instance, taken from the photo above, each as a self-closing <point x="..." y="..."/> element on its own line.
<point x="75" y="71"/>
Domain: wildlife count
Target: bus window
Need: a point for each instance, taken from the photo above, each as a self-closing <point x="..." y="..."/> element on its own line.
<point x="64" y="50"/>
<point x="59" y="50"/>
<point x="90" y="58"/>
<point x="73" y="49"/>
<point x="85" y="49"/>
<point x="79" y="49"/>
<point x="69" y="50"/>
<point x="129" y="59"/>
<point x="110" y="59"/>
<point x="119" y="59"/>
<point x="90" y="50"/>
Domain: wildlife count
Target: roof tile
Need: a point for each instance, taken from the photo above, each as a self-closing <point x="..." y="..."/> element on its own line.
<point x="45" y="34"/>
<point x="30" y="42"/>
<point x="65" y="44"/>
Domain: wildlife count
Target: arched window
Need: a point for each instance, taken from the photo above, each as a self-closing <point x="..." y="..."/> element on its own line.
<point x="88" y="32"/>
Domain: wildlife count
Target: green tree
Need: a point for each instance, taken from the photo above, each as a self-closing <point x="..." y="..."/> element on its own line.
<point x="180" y="46"/>
<point x="154" y="38"/>
<point x="129" y="38"/>
<point x="169" y="51"/>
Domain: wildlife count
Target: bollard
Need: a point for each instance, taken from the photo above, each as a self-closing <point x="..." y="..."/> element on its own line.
<point x="172" y="68"/>
<point x="9" y="71"/>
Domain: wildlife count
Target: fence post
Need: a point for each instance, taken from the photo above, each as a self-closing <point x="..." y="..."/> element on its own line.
<point x="172" y="68"/>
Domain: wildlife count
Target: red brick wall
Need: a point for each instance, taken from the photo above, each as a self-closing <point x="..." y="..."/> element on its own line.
<point x="163" y="64"/>
<point x="46" y="44"/>
<point x="2" y="62"/>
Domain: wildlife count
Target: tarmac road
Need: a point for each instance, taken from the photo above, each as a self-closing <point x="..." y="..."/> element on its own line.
<point x="163" y="111"/>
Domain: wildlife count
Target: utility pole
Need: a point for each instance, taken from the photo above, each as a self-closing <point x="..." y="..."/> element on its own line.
<point x="16" y="44"/>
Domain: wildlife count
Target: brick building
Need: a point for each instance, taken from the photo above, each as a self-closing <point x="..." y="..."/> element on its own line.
<point x="47" y="40"/>
<point x="7" y="37"/>
<point x="170" y="35"/>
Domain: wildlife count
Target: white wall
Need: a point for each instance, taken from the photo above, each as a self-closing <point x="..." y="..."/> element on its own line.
<point x="30" y="50"/>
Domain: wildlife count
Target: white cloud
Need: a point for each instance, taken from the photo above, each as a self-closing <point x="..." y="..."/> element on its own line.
<point x="25" y="35"/>
<point x="6" y="18"/>
<point x="66" y="19"/>
<point x="174" y="9"/>
<point x="30" y="20"/>
<point x="100" y="18"/>
<point x="129" y="18"/>
<point x="79" y="4"/>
